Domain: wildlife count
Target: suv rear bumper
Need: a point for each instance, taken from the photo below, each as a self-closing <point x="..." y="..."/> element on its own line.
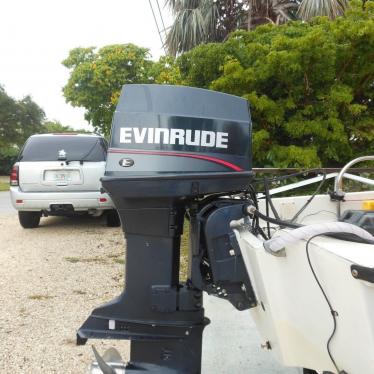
<point x="38" y="201"/>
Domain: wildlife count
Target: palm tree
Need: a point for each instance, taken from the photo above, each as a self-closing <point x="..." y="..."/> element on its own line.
<point x="200" y="21"/>
<point x="273" y="11"/>
<point x="330" y="8"/>
<point x="203" y="21"/>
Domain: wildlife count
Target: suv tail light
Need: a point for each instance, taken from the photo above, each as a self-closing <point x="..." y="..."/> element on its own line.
<point x="14" y="176"/>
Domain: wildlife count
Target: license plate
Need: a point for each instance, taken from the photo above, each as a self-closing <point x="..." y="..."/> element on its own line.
<point x="62" y="177"/>
<point x="57" y="176"/>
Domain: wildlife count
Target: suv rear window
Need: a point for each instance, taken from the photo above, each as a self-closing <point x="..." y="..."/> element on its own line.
<point x="77" y="148"/>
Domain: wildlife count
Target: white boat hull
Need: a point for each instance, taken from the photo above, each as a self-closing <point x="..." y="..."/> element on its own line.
<point x="293" y="315"/>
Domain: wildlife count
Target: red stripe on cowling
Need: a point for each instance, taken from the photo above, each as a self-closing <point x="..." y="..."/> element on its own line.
<point x="188" y="155"/>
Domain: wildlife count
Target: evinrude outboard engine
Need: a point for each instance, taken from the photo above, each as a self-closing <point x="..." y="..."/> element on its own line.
<point x="174" y="152"/>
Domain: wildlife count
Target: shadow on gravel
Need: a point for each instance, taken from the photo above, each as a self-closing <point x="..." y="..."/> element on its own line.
<point x="74" y="221"/>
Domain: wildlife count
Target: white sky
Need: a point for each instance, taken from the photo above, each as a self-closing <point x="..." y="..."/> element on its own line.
<point x="36" y="35"/>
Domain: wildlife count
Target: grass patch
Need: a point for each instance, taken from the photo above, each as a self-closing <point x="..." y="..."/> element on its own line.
<point x="87" y="260"/>
<point x="4" y="186"/>
<point x="95" y="260"/>
<point x="117" y="258"/>
<point x="185" y="243"/>
<point x="79" y="292"/>
<point x="115" y="255"/>
<point x="119" y="261"/>
<point x="40" y="297"/>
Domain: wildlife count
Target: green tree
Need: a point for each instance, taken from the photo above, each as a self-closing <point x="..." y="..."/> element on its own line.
<point x="9" y="127"/>
<point x="203" y="21"/>
<point x="57" y="127"/>
<point x="273" y="11"/>
<point x="310" y="86"/>
<point x="30" y="118"/>
<point x="18" y="120"/>
<point x="166" y="71"/>
<point x="330" y="8"/>
<point x="97" y="76"/>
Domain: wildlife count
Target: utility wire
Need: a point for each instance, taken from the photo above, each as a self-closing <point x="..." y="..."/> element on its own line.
<point x="162" y="18"/>
<point x="158" y="29"/>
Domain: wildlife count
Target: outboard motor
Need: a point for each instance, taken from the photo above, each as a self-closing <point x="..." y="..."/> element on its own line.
<point x="175" y="152"/>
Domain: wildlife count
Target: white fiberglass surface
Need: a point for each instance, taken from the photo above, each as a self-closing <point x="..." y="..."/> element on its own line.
<point x="293" y="314"/>
<point x="356" y="253"/>
<point x="321" y="209"/>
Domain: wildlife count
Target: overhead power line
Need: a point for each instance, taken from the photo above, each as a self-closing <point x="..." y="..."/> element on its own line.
<point x="162" y="18"/>
<point x="158" y="28"/>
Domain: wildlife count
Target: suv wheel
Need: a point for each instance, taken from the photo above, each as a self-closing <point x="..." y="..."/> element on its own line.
<point x="29" y="220"/>
<point x="112" y="219"/>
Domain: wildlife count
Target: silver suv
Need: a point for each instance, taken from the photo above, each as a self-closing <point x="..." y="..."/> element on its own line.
<point x="59" y="174"/>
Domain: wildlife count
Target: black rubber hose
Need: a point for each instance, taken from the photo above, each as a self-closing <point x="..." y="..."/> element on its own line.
<point x="342" y="236"/>
<point x="276" y="221"/>
<point x="268" y="198"/>
<point x="310" y="199"/>
<point x="287" y="176"/>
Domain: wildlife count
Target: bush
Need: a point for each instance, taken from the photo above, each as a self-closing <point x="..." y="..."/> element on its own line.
<point x="6" y="162"/>
<point x="310" y="86"/>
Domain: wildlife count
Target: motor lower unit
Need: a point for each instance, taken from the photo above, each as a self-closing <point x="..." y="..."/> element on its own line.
<point x="175" y="153"/>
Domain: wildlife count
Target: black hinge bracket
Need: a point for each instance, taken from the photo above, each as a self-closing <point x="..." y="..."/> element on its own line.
<point x="363" y="273"/>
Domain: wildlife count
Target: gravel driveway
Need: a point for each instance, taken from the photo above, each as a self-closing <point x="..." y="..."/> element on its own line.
<point x="53" y="276"/>
<point x="5" y="204"/>
<point x="50" y="280"/>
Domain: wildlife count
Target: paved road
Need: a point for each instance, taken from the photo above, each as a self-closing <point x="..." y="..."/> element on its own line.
<point x="5" y="204"/>
<point x="231" y="343"/>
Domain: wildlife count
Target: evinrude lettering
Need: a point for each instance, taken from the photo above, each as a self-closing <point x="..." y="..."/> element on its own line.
<point x="165" y="136"/>
<point x="129" y="135"/>
<point x="177" y="134"/>
<point x="139" y="134"/>
<point x="189" y="140"/>
<point x="208" y="138"/>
